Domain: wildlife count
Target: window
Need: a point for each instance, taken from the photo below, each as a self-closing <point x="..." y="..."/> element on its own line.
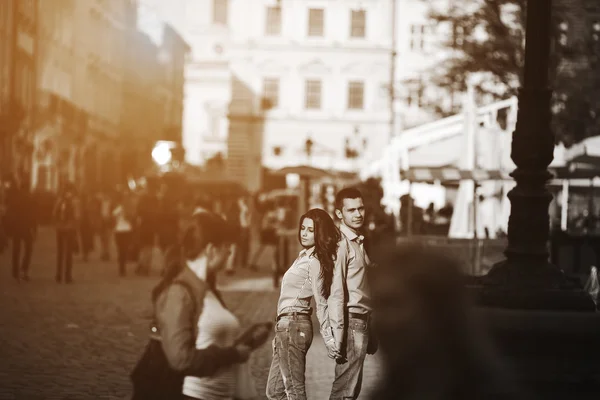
<point x="220" y="12"/>
<point x="358" y="23"/>
<point x="356" y="95"/>
<point x="273" y="23"/>
<point x="414" y="94"/>
<point x="270" y="93"/>
<point x="315" y="22"/>
<point x="417" y="37"/>
<point x="313" y="94"/>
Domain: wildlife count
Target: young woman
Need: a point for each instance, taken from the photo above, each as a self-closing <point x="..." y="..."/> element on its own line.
<point x="309" y="276"/>
<point x="199" y="336"/>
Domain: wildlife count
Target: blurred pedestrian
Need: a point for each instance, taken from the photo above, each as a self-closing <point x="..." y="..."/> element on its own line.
<point x="89" y="214"/>
<point x="105" y="226"/>
<point x="168" y="230"/>
<point x="124" y="217"/>
<point x="21" y="226"/>
<point x="148" y="227"/>
<point x="196" y="351"/>
<point x="268" y="242"/>
<point x="232" y="215"/>
<point x="309" y="277"/>
<point x="245" y="218"/>
<point x="433" y="346"/>
<point x="66" y="216"/>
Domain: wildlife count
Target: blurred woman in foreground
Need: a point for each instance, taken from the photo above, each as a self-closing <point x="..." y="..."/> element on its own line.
<point x="195" y="332"/>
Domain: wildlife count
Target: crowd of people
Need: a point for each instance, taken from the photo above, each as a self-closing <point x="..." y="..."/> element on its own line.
<point x="139" y="226"/>
<point x="408" y="301"/>
<point x="198" y="350"/>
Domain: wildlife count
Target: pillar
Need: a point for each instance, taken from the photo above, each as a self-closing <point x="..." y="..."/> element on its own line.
<point x="526" y="280"/>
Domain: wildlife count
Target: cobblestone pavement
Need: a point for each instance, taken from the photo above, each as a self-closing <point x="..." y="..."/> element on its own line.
<point x="80" y="341"/>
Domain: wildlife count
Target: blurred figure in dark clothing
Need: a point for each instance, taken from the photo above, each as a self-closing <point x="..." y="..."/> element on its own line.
<point x="104" y="224"/>
<point x="410" y="212"/>
<point x="66" y="215"/>
<point x="245" y="219"/>
<point x="202" y="204"/>
<point x="124" y="215"/>
<point x="232" y="216"/>
<point x="148" y="214"/>
<point x="168" y="230"/>
<point x="432" y="346"/>
<point x="21" y="226"/>
<point x="86" y="224"/>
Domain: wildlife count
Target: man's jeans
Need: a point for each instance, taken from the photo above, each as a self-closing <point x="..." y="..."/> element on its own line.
<point x="293" y="337"/>
<point x="348" y="375"/>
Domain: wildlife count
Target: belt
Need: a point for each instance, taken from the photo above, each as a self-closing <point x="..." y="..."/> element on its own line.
<point x="364" y="317"/>
<point x="297" y="315"/>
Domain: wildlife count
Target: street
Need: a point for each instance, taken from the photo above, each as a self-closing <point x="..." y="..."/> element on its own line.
<point x="80" y="341"/>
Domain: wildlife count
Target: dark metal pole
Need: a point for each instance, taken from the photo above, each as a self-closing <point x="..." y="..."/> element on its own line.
<point x="526" y="280"/>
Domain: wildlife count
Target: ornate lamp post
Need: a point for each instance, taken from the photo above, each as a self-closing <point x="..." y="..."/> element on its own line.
<point x="526" y="280"/>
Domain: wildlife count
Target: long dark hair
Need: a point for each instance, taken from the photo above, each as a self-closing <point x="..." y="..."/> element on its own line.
<point x="202" y="229"/>
<point x="327" y="237"/>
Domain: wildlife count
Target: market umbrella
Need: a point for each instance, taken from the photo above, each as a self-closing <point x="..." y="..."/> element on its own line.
<point x="305" y="171"/>
<point x="587" y="151"/>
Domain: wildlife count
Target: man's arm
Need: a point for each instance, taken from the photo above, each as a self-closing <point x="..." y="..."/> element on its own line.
<point x="175" y="323"/>
<point x="338" y="297"/>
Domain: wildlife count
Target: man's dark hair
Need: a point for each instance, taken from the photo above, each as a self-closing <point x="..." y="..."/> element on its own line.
<point x="346" y="193"/>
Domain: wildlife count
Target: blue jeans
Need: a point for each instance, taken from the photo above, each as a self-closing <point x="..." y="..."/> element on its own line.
<point x="348" y="375"/>
<point x="293" y="337"/>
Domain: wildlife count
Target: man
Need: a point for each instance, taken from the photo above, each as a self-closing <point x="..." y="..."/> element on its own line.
<point x="349" y="302"/>
<point x="23" y="227"/>
<point x="148" y="226"/>
<point x="244" y="241"/>
<point x="67" y="216"/>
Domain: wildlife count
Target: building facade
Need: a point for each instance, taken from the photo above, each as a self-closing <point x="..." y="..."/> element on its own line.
<point x="98" y="88"/>
<point x="208" y="28"/>
<point x="310" y="84"/>
<point x="153" y="89"/>
<point x="18" y="60"/>
<point x="109" y="84"/>
<point x="61" y="121"/>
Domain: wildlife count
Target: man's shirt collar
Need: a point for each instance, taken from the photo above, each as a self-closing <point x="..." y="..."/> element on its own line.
<point x="351" y="235"/>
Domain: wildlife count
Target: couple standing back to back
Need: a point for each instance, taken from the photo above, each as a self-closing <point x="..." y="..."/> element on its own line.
<point x="332" y="268"/>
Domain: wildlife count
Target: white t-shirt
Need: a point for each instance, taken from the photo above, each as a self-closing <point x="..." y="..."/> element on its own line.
<point x="216" y="326"/>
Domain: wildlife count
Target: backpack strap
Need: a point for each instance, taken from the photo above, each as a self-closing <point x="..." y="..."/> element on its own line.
<point x="190" y="291"/>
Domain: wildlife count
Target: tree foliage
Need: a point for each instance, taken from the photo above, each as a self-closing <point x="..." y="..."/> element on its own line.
<point x="487" y="42"/>
<point x="486" y="39"/>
